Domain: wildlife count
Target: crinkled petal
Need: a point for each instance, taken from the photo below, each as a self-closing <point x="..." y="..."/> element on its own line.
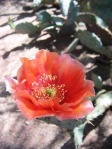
<point x="57" y="107"/>
<point x="71" y="72"/>
<point x="79" y="111"/>
<point x="39" y="103"/>
<point x="30" y="111"/>
<point x="85" y="90"/>
<point x="10" y="84"/>
<point x="24" y="94"/>
<point x="27" y="71"/>
<point x="50" y="61"/>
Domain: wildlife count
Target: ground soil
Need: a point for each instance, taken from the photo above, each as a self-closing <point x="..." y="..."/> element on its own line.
<point x="16" y="131"/>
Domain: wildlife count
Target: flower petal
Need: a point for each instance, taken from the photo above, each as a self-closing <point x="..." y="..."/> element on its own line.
<point x="27" y="71"/>
<point x="71" y="71"/>
<point x="76" y="94"/>
<point x="79" y="111"/>
<point x="10" y="84"/>
<point x="24" y="94"/>
<point x="50" y="61"/>
<point x="30" y="111"/>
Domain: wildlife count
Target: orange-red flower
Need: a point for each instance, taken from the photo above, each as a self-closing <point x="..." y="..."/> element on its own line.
<point x="51" y="85"/>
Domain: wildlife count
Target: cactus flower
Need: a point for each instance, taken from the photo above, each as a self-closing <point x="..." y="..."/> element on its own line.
<point x="51" y="85"/>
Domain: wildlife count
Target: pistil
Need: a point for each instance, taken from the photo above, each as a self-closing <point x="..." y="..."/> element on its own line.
<point x="47" y="88"/>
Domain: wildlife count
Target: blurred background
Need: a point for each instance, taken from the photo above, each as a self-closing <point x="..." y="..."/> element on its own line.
<point x="80" y="28"/>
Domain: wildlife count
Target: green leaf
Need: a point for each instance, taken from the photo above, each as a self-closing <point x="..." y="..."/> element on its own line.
<point x="11" y="23"/>
<point x="102" y="8"/>
<point x="57" y="20"/>
<point x="96" y="25"/>
<point x="105" y="99"/>
<point x="67" y="29"/>
<point x="65" y="6"/>
<point x="71" y="46"/>
<point x="68" y="124"/>
<point x="51" y="30"/>
<point x="97" y="80"/>
<point x="91" y="19"/>
<point x="78" y="135"/>
<point x="102" y="103"/>
<point x="45" y="19"/>
<point x="44" y="16"/>
<point x="107" y="51"/>
<point x="90" y="40"/>
<point x="36" y="3"/>
<point x="26" y="28"/>
<point x="69" y="8"/>
<point x="72" y="13"/>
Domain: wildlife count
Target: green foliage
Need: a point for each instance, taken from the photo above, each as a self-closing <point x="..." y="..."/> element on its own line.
<point x="72" y="46"/>
<point x="57" y="20"/>
<point x="37" y="3"/>
<point x="91" y="19"/>
<point x="26" y="28"/>
<point x="45" y="19"/>
<point x="11" y="23"/>
<point x="78" y="134"/>
<point x="68" y="124"/>
<point x="65" y="6"/>
<point x="69" y="10"/>
<point x="103" y="102"/>
<point x="90" y="40"/>
<point x="68" y="7"/>
<point x="59" y="24"/>
<point x="72" y="13"/>
<point x="95" y="37"/>
<point x="102" y="8"/>
<point x="97" y="80"/>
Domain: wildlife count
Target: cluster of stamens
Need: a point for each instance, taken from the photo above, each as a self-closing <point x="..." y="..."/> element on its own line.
<point x="47" y="88"/>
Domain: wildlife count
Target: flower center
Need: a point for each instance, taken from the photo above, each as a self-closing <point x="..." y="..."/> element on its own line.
<point x="48" y="87"/>
<point x="51" y="92"/>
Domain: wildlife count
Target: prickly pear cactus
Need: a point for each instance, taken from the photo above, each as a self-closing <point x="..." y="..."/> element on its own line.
<point x="68" y="124"/>
<point x="99" y="7"/>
